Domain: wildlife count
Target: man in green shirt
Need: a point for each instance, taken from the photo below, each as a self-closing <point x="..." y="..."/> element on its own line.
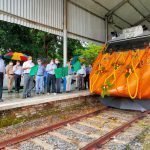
<point x="58" y="79"/>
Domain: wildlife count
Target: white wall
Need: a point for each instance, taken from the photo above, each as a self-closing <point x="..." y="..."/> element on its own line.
<point x="85" y="24"/>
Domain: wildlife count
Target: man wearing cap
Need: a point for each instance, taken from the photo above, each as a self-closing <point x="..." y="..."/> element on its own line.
<point x="2" y="72"/>
<point x="28" y="80"/>
<point x="10" y="76"/>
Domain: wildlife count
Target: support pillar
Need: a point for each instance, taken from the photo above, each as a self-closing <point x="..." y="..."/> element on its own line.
<point x="65" y="33"/>
<point x="106" y="29"/>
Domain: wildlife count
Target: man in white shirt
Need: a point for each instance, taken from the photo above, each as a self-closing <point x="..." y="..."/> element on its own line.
<point x="28" y="80"/>
<point x="17" y="69"/>
<point x="51" y="79"/>
<point x="69" y="77"/>
<point x="81" y="74"/>
<point x="2" y="72"/>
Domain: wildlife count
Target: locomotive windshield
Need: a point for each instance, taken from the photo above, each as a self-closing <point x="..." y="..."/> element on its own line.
<point x="128" y="44"/>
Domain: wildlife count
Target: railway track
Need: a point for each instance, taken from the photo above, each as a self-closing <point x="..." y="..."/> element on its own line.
<point x="87" y="132"/>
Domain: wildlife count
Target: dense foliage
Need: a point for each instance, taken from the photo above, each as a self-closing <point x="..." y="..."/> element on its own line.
<point x="88" y="54"/>
<point x="34" y="42"/>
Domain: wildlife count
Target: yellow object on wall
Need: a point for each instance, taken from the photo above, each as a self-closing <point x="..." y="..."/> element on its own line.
<point x="123" y="74"/>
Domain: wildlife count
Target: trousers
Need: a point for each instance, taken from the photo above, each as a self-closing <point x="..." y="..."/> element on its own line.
<point x="81" y="82"/>
<point x="51" y="80"/>
<point x="58" y="85"/>
<point x="64" y="84"/>
<point x="1" y="84"/>
<point x="68" y="84"/>
<point x="28" y="85"/>
<point x="10" y="82"/>
<point x="17" y="82"/>
<point x="87" y="81"/>
<point x="39" y="84"/>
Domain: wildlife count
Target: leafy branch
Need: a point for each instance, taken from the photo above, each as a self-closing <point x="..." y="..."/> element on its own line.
<point x="105" y="89"/>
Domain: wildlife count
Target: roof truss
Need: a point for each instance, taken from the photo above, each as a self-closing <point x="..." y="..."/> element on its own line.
<point x="119" y="5"/>
<point x="116" y="7"/>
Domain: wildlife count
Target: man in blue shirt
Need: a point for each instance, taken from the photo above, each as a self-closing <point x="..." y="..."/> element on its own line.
<point x="2" y="72"/>
<point x="51" y="79"/>
<point x="40" y="78"/>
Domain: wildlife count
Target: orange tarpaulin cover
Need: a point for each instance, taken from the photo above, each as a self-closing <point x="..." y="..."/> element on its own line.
<point x="125" y="74"/>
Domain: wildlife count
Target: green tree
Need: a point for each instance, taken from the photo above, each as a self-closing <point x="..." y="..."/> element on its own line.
<point x="88" y="54"/>
<point x="34" y="42"/>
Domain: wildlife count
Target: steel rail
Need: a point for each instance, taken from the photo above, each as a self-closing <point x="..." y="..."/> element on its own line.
<point x="44" y="130"/>
<point x="107" y="137"/>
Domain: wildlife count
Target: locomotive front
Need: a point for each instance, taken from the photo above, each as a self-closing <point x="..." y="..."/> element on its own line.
<point x="122" y="70"/>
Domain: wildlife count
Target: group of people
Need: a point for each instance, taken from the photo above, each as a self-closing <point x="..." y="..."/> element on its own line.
<point x="42" y="77"/>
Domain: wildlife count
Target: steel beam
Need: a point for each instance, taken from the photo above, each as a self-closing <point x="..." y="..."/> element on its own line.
<point x="137" y="10"/>
<point x="113" y="14"/>
<point x="65" y="32"/>
<point x="123" y="19"/>
<point x="85" y="37"/>
<point x="117" y="26"/>
<point x="142" y="20"/>
<point x="116" y="7"/>
<point x="98" y="3"/>
<point x="106" y="29"/>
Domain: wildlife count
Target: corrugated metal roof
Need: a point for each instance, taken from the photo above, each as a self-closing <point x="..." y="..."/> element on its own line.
<point x="85" y="17"/>
<point x="91" y="6"/>
<point x="109" y="4"/>
<point x="128" y="13"/>
<point x="46" y="15"/>
<point x="142" y="8"/>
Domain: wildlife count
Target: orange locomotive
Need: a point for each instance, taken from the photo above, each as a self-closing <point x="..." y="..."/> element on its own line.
<point x="123" y="70"/>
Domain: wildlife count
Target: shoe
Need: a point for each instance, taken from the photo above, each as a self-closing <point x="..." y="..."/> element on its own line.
<point x="29" y="95"/>
<point x="11" y="92"/>
<point x="1" y="100"/>
<point x="48" y="93"/>
<point x="55" y="93"/>
<point x="59" y="92"/>
<point x="24" y="97"/>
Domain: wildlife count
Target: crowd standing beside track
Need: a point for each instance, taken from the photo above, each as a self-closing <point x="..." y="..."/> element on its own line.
<point x="49" y="78"/>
